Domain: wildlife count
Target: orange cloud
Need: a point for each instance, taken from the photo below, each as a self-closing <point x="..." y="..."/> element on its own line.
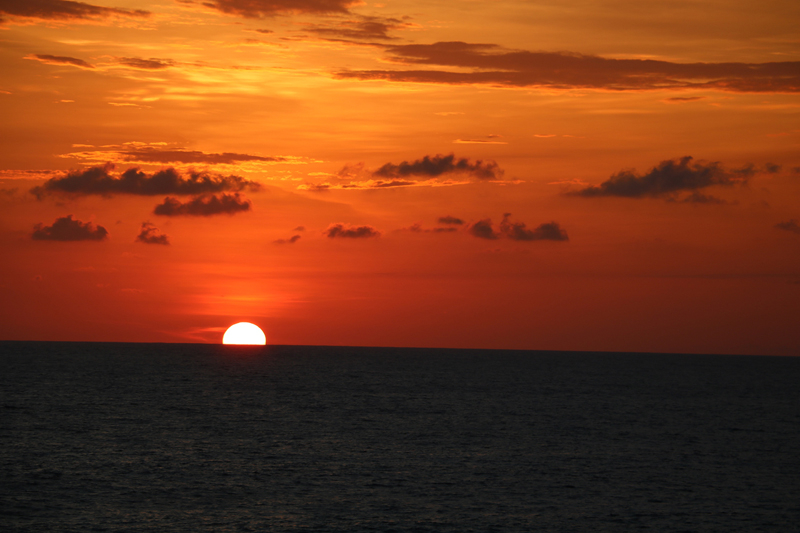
<point x="64" y="10"/>
<point x="494" y="65"/>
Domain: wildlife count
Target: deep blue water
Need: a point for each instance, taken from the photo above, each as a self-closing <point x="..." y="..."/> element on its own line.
<point x="155" y="437"/>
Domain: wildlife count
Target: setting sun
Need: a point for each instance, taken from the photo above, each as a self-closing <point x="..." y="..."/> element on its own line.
<point x="244" y="333"/>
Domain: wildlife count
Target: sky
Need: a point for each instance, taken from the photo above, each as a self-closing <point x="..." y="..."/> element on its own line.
<point x="600" y="175"/>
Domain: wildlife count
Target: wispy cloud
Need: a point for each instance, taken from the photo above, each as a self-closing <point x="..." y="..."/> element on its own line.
<point x="60" y="60"/>
<point x="494" y="65"/>
<point x="268" y="8"/>
<point x="64" y="10"/>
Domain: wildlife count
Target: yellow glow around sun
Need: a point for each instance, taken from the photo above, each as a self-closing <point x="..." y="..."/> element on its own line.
<point x="244" y="333"/>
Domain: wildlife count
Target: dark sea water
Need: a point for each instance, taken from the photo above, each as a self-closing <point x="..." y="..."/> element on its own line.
<point x="155" y="437"/>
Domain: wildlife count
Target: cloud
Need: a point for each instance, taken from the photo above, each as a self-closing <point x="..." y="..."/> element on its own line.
<point x="146" y="64"/>
<point x="204" y="206"/>
<point x="346" y="231"/>
<point x="364" y="28"/>
<point x="60" y="60"/>
<point x="683" y="99"/>
<point x="293" y="239"/>
<point x="150" y="235"/>
<point x="700" y="198"/>
<point x="68" y="229"/>
<point x="483" y="229"/>
<point x="431" y="167"/>
<point x="64" y="10"/>
<point x="518" y="231"/>
<point x="421" y="172"/>
<point x="99" y="180"/>
<point x="450" y="220"/>
<point x="156" y="155"/>
<point x="666" y="179"/>
<point x="494" y="65"/>
<point x="268" y="8"/>
<point x="789" y="225"/>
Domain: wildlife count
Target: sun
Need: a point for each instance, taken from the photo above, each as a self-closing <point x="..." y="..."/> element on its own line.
<point x="244" y="333"/>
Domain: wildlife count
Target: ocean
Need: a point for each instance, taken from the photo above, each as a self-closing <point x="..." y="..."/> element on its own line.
<point x="192" y="437"/>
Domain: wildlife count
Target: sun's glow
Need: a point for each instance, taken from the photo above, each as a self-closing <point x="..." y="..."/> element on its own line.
<point x="244" y="333"/>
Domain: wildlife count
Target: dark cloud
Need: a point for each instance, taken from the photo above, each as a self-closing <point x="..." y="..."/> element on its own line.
<point x="444" y="230"/>
<point x="494" y="65"/>
<point x="68" y="229"/>
<point x="99" y="180"/>
<point x="483" y="229"/>
<point x="772" y="168"/>
<point x="264" y="31"/>
<point x="293" y="239"/>
<point x="146" y="64"/>
<point x="450" y="220"/>
<point x="156" y="155"/>
<point x="431" y="167"/>
<point x="364" y="28"/>
<point x="700" y="198"/>
<point x="683" y="99"/>
<point x="666" y="179"/>
<point x="789" y="225"/>
<point x="267" y="8"/>
<point x="299" y="228"/>
<point x="64" y="10"/>
<point x="150" y="235"/>
<point x="204" y="206"/>
<point x="60" y="60"/>
<point x="346" y="231"/>
<point x="518" y="231"/>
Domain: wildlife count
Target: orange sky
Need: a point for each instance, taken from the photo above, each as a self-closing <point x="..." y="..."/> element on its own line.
<point x="578" y="175"/>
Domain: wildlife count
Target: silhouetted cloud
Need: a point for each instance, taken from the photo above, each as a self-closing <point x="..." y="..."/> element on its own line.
<point x="146" y="64"/>
<point x="68" y="229"/>
<point x="494" y="65"/>
<point x="266" y="8"/>
<point x="60" y="60"/>
<point x="346" y="231"/>
<point x="789" y="225"/>
<point x="772" y="168"/>
<point x="150" y="235"/>
<point x="450" y="220"/>
<point x="443" y="230"/>
<point x="431" y="167"/>
<point x="156" y="155"/>
<point x="666" y="179"/>
<point x="64" y="10"/>
<point x="299" y="228"/>
<point x="293" y="239"/>
<point x="99" y="180"/>
<point x="483" y="229"/>
<point x="204" y="206"/>
<point x="517" y="231"/>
